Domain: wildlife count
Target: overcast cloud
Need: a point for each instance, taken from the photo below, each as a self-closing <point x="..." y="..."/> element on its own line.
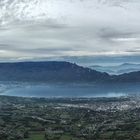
<point x="34" y="29"/>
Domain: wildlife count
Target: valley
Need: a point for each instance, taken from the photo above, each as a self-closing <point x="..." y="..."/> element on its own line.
<point x="69" y="118"/>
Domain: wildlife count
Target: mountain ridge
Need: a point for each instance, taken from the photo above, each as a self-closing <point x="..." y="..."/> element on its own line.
<point x="117" y="69"/>
<point x="59" y="72"/>
<point x="49" y="71"/>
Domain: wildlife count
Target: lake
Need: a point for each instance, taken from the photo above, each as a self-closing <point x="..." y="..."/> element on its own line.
<point x="68" y="90"/>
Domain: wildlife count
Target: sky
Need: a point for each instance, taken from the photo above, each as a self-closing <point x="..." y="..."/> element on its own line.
<point x="83" y="31"/>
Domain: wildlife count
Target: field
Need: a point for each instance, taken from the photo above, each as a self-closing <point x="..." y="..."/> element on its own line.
<point x="69" y="119"/>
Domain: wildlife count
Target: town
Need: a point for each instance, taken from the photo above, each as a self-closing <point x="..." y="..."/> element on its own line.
<point x="115" y="118"/>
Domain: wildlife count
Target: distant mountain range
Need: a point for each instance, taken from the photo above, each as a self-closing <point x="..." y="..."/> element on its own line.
<point x="59" y="72"/>
<point x="119" y="69"/>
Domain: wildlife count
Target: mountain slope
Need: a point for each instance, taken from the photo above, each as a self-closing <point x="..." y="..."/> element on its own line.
<point x="132" y="77"/>
<point x="119" y="69"/>
<point x="60" y="72"/>
<point x="49" y="72"/>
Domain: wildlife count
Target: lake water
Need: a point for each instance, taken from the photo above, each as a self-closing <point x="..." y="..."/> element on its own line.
<point x="46" y="90"/>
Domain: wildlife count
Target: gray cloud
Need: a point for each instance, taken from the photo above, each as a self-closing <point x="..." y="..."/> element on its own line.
<point x="55" y="29"/>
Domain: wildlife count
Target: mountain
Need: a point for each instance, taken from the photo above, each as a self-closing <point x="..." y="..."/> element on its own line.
<point x="60" y="72"/>
<point x="51" y="71"/>
<point x="119" y="69"/>
<point x="132" y="77"/>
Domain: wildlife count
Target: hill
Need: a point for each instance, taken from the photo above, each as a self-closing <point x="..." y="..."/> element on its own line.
<point x="60" y="72"/>
<point x="51" y="71"/>
<point x="118" y="69"/>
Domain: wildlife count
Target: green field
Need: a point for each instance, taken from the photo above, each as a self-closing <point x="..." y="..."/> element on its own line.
<point x="36" y="137"/>
<point x="40" y="136"/>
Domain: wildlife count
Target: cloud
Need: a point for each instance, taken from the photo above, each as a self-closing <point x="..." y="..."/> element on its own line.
<point x="54" y="29"/>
